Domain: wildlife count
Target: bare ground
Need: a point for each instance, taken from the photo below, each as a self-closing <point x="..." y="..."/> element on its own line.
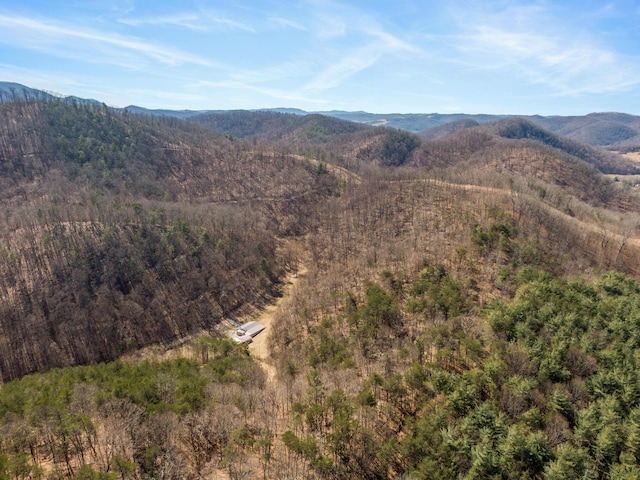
<point x="259" y="348"/>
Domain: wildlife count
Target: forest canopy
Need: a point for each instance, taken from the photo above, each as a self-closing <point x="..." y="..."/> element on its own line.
<point x="442" y="307"/>
<point x="550" y="392"/>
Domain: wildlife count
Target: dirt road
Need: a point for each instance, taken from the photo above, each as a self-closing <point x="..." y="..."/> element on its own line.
<point x="259" y="348"/>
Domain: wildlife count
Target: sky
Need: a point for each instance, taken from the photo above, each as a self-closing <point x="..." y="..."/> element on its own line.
<point x="380" y="56"/>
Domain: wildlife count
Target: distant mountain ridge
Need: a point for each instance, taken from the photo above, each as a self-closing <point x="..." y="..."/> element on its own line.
<point x="609" y="129"/>
<point x="616" y="131"/>
<point x="613" y="130"/>
<point x="15" y="91"/>
<point x="10" y="91"/>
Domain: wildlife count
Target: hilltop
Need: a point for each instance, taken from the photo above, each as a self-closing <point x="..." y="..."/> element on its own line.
<point x="607" y="129"/>
<point x="470" y="147"/>
<point x="615" y="131"/>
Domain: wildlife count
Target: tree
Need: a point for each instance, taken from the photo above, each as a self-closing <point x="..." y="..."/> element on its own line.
<point x="571" y="463"/>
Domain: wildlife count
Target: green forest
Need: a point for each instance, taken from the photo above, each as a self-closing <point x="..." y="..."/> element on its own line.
<point x="550" y="390"/>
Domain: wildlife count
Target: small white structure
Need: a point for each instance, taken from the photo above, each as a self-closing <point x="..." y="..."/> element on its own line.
<point x="245" y="333"/>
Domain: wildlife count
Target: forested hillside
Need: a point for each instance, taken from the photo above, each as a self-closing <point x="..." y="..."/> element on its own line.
<point x="518" y="151"/>
<point x="462" y="307"/>
<point x="612" y="130"/>
<point x="276" y="126"/>
<point x="617" y="131"/>
<point x="122" y="231"/>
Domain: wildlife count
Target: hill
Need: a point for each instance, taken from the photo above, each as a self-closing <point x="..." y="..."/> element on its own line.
<point x="10" y="91"/>
<point x="460" y="307"/>
<point x="276" y="126"/>
<point x="513" y="145"/>
<point x="616" y="131"/>
<point x="602" y="160"/>
<point x="612" y="130"/>
<point x="412" y="122"/>
<point x="448" y="129"/>
<point x="521" y="151"/>
<point x="121" y="231"/>
<point x="182" y="114"/>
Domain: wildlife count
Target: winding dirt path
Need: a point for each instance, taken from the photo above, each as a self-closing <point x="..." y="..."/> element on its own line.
<point x="259" y="347"/>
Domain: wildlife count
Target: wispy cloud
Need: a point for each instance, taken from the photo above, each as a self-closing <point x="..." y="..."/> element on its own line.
<point x="328" y="52"/>
<point x="527" y="42"/>
<point x="201" y="20"/>
<point x="288" y="23"/>
<point x="376" y="43"/>
<point x="275" y="93"/>
<point x="187" y="20"/>
<point x="232" y="24"/>
<point x="330" y="26"/>
<point x="215" y="18"/>
<point x="337" y="72"/>
<point x="67" y="40"/>
<point x="390" y="43"/>
<point x="566" y="67"/>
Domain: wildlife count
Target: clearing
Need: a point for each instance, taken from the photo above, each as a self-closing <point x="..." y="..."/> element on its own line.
<point x="259" y="347"/>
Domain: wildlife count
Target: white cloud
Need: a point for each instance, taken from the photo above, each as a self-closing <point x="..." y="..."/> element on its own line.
<point x="530" y="44"/>
<point x="187" y="20"/>
<point x="201" y="20"/>
<point x="73" y="41"/>
<point x="288" y="23"/>
<point x="390" y="43"/>
<point x="339" y="71"/>
<point x="226" y="22"/>
<point x="344" y="63"/>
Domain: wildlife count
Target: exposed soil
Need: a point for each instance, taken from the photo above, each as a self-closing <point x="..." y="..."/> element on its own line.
<point x="259" y="348"/>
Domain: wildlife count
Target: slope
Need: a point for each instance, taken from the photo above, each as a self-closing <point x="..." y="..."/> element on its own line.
<point x="516" y="150"/>
<point x="121" y="231"/>
<point x="454" y="321"/>
<point x="614" y="130"/>
<point x="604" y="161"/>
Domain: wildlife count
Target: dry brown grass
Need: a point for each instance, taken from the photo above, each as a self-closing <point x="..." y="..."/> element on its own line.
<point x="633" y="156"/>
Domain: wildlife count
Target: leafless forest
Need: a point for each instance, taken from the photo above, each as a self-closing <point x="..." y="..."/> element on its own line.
<point x="466" y="308"/>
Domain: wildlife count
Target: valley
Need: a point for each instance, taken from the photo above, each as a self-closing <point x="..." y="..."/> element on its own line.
<point x="456" y="305"/>
<point x="259" y="348"/>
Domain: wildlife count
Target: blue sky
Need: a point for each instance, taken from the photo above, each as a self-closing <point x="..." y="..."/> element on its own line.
<point x="382" y="56"/>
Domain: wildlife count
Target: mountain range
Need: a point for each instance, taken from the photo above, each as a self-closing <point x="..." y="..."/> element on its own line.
<point x="616" y="131"/>
<point x="460" y="301"/>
